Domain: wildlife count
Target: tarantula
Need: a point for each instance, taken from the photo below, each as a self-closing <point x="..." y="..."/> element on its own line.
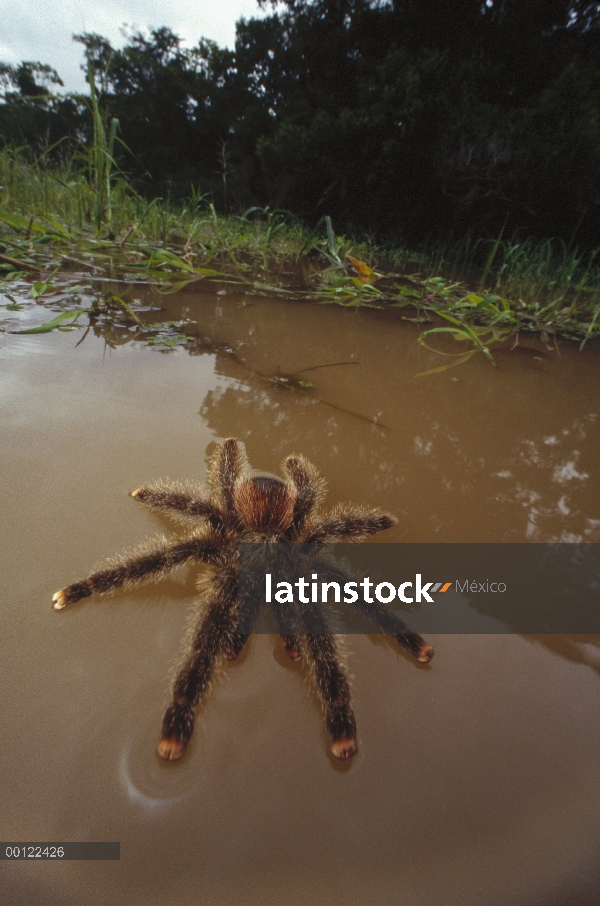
<point x="243" y="505"/>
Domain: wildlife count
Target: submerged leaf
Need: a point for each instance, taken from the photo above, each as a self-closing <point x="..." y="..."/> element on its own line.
<point x="440" y="368"/>
<point x="50" y="325"/>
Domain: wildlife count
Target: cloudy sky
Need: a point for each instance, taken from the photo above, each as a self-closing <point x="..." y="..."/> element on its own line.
<point x="41" y="30"/>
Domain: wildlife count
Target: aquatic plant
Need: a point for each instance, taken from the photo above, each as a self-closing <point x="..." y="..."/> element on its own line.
<point x="49" y="219"/>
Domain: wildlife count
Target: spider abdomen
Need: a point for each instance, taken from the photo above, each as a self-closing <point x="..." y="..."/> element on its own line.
<point x="265" y="503"/>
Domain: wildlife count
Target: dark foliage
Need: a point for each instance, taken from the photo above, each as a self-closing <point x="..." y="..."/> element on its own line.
<point x="413" y="118"/>
<point x="30" y="115"/>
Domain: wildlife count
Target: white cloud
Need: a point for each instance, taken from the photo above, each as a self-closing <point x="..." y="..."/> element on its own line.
<point x="42" y="29"/>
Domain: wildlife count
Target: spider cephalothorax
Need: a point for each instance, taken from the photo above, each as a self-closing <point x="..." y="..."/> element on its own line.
<point x="242" y="505"/>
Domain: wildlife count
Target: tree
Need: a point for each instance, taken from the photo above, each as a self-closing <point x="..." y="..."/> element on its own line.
<point x="30" y="114"/>
<point x="411" y="117"/>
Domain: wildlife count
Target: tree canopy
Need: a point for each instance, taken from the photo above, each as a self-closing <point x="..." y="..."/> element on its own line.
<point x="408" y="117"/>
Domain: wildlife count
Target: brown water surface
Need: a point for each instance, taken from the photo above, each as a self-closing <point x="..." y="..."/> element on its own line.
<point x="476" y="780"/>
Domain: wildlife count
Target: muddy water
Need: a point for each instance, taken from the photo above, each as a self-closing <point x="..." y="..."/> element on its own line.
<point x="477" y="776"/>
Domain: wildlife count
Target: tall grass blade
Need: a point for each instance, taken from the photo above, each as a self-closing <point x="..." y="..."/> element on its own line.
<point x="491" y="257"/>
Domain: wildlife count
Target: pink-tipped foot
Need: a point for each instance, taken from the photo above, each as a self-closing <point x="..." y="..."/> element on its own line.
<point x="171" y="749"/>
<point x="137" y="492"/>
<point x="425" y="654"/>
<point x="59" y="600"/>
<point x="293" y="654"/>
<point x="344" y="748"/>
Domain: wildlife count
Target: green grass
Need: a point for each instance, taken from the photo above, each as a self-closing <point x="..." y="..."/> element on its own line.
<point x="83" y="199"/>
<point x="552" y="287"/>
<point x="83" y="210"/>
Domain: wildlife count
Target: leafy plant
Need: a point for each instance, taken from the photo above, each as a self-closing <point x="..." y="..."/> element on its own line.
<point x="481" y="338"/>
<point x="41" y="287"/>
<point x="167" y="334"/>
<point x="57" y="322"/>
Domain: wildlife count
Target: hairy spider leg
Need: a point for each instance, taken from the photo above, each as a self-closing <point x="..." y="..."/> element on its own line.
<point x="348" y="523"/>
<point x="235" y="641"/>
<point x="392" y="625"/>
<point x="291" y="641"/>
<point x="332" y="685"/>
<point x="252" y="597"/>
<point x="387" y="621"/>
<point x="149" y="563"/>
<point x="310" y="490"/>
<point x="320" y="651"/>
<point x="178" y="499"/>
<point x="211" y="639"/>
<point x="292" y="645"/>
<point x="233" y="650"/>
<point x="227" y="465"/>
<point x="289" y="624"/>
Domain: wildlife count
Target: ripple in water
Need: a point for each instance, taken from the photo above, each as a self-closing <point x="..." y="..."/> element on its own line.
<point x="151" y="783"/>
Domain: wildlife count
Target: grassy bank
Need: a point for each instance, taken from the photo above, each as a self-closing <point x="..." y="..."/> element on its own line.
<point x="58" y="219"/>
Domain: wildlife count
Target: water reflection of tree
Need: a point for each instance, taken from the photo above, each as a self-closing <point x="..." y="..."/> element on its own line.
<point x="288" y="420"/>
<point x="541" y="487"/>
